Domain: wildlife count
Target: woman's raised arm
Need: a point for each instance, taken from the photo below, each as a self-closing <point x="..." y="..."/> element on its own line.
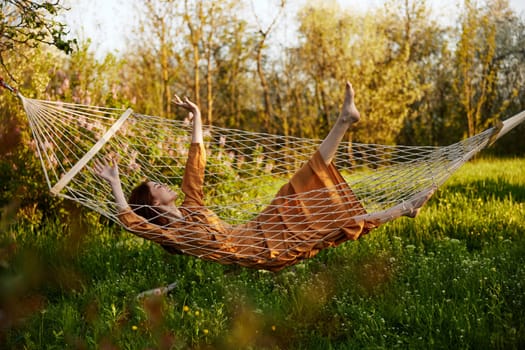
<point x="110" y="173"/>
<point x="195" y="114"/>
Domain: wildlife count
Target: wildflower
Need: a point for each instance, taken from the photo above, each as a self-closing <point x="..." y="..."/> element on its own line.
<point x="87" y="99"/>
<point x="205" y="331"/>
<point x="274" y="328"/>
<point x="186" y="308"/>
<point x="240" y="160"/>
<point x="53" y="160"/>
<point x="197" y="313"/>
<point x="133" y="155"/>
<point x="48" y="145"/>
<point x="134" y="327"/>
<point x="134" y="166"/>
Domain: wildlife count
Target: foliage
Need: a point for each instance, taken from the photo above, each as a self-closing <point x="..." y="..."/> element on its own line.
<point x="437" y="281"/>
<point x="69" y="278"/>
<point x="82" y="79"/>
<point x="21" y="178"/>
<point x="27" y="24"/>
<point x="413" y="76"/>
<point x="476" y="69"/>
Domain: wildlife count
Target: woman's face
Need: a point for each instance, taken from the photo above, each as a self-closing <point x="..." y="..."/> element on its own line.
<point x="162" y="194"/>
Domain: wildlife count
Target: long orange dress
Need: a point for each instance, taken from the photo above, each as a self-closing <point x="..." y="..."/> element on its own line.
<point x="313" y="211"/>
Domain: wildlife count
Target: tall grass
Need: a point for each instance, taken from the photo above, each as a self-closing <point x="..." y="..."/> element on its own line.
<point x="454" y="277"/>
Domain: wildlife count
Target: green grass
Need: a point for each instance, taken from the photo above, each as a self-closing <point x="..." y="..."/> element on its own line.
<point x="452" y="278"/>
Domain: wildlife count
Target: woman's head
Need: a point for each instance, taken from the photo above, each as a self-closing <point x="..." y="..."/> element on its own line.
<point x="146" y="198"/>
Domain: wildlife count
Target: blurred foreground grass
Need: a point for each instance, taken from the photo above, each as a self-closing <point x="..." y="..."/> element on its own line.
<point x="453" y="277"/>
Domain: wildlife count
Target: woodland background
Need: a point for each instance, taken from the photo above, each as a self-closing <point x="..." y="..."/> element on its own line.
<point x="69" y="279"/>
<point x="417" y="80"/>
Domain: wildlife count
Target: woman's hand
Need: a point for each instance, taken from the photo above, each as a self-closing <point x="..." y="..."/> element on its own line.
<point x="195" y="114"/>
<point x="187" y="105"/>
<point x="106" y="170"/>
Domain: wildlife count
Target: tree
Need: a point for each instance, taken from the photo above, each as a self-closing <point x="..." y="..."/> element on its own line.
<point x="506" y="95"/>
<point x="152" y="60"/>
<point x="216" y="20"/>
<point x="21" y="179"/>
<point x="475" y="53"/>
<point x="235" y="90"/>
<point x="411" y="24"/>
<point x="389" y="62"/>
<point x="323" y="53"/>
<point x="160" y="16"/>
<point x="27" y="24"/>
<point x="195" y="36"/>
<point x="259" y="50"/>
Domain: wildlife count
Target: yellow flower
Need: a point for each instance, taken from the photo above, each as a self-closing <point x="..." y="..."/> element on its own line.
<point x="186" y="308"/>
<point x="134" y="327"/>
<point x="197" y="313"/>
<point x="205" y="331"/>
<point x="274" y="328"/>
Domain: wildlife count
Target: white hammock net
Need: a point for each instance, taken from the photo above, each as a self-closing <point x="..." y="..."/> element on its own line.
<point x="244" y="169"/>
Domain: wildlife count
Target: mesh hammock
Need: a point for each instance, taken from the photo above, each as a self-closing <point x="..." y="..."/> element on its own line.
<point x="244" y="171"/>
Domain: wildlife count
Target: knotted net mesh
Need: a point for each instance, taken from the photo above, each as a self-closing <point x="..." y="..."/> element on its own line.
<point x="244" y="172"/>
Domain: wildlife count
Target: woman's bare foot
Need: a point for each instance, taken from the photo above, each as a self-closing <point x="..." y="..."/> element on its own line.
<point x="349" y="112"/>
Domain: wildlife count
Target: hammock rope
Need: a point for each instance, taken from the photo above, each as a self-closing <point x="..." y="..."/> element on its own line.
<point x="244" y="169"/>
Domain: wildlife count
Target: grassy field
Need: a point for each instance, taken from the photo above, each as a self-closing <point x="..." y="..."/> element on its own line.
<point x="452" y="278"/>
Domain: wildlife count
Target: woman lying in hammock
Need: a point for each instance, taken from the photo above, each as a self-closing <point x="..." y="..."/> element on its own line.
<point x="316" y="209"/>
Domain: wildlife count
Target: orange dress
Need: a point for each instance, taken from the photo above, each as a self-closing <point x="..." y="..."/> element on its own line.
<point x="313" y="211"/>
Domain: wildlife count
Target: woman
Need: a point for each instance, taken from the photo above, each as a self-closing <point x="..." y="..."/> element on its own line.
<point x="316" y="209"/>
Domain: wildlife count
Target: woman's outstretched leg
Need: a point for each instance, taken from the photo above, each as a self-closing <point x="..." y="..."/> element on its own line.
<point x="349" y="115"/>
